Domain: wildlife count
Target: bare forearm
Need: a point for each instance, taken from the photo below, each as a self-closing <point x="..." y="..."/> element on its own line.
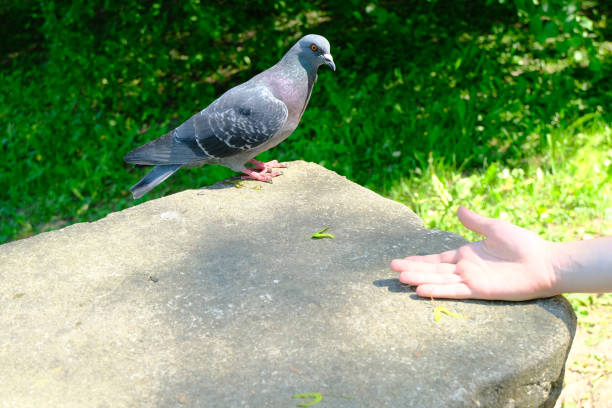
<point x="583" y="266"/>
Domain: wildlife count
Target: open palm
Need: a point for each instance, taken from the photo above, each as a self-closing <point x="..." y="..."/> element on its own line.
<point x="510" y="264"/>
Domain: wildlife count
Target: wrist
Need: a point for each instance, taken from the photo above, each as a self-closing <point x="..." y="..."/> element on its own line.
<point x="582" y="266"/>
<point x="560" y="263"/>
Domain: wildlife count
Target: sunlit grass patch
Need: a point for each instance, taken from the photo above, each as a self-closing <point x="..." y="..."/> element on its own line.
<point x="563" y="194"/>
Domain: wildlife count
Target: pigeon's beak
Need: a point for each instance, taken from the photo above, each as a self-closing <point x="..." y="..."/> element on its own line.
<point x="329" y="61"/>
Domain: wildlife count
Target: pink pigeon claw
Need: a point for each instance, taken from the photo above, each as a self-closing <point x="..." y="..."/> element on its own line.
<point x="260" y="175"/>
<point x="268" y="166"/>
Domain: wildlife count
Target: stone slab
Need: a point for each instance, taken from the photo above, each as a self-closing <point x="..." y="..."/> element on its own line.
<point x="218" y="298"/>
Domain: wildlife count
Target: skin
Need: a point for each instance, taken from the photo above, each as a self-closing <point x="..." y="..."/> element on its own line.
<point x="511" y="263"/>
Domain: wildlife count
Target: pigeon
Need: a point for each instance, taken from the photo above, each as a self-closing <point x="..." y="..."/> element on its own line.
<point x="246" y="120"/>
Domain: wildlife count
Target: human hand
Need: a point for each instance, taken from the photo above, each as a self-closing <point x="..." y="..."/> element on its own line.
<point x="512" y="263"/>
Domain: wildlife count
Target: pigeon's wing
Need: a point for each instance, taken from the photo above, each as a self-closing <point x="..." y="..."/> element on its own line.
<point x="241" y="119"/>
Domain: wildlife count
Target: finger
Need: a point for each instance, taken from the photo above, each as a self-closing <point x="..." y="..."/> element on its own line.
<point x="398" y="265"/>
<point x="449" y="291"/>
<point x="446" y="257"/>
<point x="401" y="265"/>
<point x="425" y="278"/>
<point x="474" y="222"/>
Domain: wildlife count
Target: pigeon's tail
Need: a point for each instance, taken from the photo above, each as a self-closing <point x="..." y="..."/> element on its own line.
<point x="158" y="151"/>
<point x="177" y="146"/>
<point x="157" y="175"/>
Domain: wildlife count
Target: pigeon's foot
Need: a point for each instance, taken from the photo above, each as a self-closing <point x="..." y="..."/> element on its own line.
<point x="260" y="175"/>
<point x="267" y="166"/>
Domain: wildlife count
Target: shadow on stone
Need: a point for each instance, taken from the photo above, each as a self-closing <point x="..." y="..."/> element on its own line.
<point x="393" y="285"/>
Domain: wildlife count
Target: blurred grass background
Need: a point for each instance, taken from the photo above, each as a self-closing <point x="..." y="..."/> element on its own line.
<point x="503" y="106"/>
<point x="431" y="98"/>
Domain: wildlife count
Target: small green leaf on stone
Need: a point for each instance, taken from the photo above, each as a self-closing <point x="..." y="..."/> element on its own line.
<point x="438" y="310"/>
<point x="322" y="234"/>
<point x="18" y="295"/>
<point x="316" y="398"/>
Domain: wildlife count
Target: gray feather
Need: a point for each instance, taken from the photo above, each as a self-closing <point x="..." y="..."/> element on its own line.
<point x="165" y="150"/>
<point x="157" y="175"/>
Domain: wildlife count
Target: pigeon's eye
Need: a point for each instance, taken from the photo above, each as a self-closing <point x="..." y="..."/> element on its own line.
<point x="314" y="47"/>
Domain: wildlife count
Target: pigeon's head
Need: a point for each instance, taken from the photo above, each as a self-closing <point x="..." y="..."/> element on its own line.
<point x="313" y="50"/>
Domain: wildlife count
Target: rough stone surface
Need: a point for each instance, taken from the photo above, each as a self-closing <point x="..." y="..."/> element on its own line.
<point x="218" y="298"/>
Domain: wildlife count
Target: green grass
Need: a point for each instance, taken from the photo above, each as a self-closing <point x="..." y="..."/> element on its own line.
<point x="459" y="84"/>
<point x="564" y="193"/>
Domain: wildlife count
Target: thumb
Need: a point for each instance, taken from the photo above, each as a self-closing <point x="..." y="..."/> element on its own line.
<point x="474" y="222"/>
